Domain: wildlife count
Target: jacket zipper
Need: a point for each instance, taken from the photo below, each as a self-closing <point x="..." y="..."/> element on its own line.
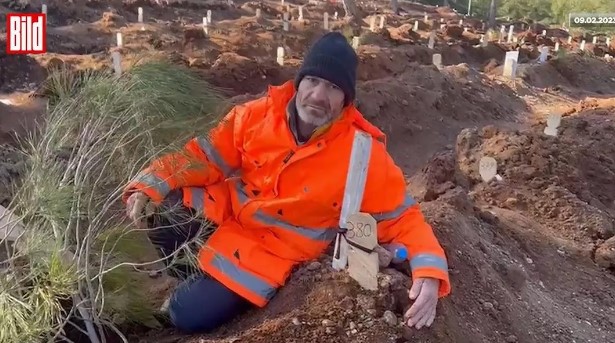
<point x="289" y="156"/>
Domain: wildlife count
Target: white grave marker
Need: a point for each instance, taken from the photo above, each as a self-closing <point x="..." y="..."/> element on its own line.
<point x="510" y="33"/>
<point x="556" y="46"/>
<point x="460" y="22"/>
<point x="415" y="28"/>
<point x="510" y="64"/>
<point x="488" y="168"/>
<point x="44" y="9"/>
<point x="117" y="63"/>
<point x="437" y="60"/>
<point x="285" y="21"/>
<point x="355" y="43"/>
<point x="441" y="20"/>
<point x="118" y="38"/>
<point x="280" y="58"/>
<point x="594" y="40"/>
<point x="326" y="21"/>
<point x="569" y="39"/>
<point x="208" y="16"/>
<point x="335" y="15"/>
<point x="425" y="17"/>
<point x="258" y="13"/>
<point x="205" y="25"/>
<point x="608" y="41"/>
<point x="553" y="122"/>
<point x="442" y="26"/>
<point x="300" y="13"/>
<point x="140" y="15"/>
<point x="372" y="24"/>
<point x="381" y="26"/>
<point x="432" y="40"/>
<point x="544" y="32"/>
<point x="465" y="29"/>
<point x="582" y="45"/>
<point x="544" y="52"/>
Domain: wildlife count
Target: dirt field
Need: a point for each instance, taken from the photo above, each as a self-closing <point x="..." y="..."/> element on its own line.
<point x="532" y="257"/>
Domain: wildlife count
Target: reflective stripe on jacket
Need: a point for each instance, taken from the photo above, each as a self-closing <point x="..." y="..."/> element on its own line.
<point x="278" y="204"/>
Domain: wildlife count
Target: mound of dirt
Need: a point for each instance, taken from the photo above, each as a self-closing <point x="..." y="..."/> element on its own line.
<point x="424" y="108"/>
<point x="586" y="72"/>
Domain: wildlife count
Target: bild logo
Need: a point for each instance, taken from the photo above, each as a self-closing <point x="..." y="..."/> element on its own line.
<point x="26" y="33"/>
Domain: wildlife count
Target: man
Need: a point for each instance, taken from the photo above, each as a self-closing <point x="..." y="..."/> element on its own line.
<point x="271" y="177"/>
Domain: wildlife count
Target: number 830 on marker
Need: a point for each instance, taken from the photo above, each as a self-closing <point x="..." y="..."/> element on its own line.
<point x="591" y="19"/>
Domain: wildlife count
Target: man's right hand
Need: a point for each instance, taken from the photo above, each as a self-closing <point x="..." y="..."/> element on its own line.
<point x="138" y="207"/>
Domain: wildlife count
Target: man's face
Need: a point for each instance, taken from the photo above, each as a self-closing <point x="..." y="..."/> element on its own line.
<point x="318" y="101"/>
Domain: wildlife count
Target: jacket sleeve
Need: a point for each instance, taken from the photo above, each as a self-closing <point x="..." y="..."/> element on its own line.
<point x="201" y="162"/>
<point x="400" y="219"/>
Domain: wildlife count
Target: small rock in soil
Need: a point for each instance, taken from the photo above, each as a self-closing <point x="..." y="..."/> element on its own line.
<point x="330" y="330"/>
<point x="327" y="323"/>
<point x="366" y="302"/>
<point x="296" y="321"/>
<point x="390" y="318"/>
<point x="314" y="266"/>
<point x="347" y="303"/>
<point x="352" y="326"/>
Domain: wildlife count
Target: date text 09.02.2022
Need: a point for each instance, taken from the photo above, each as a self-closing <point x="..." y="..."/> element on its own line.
<point x="591" y="19"/>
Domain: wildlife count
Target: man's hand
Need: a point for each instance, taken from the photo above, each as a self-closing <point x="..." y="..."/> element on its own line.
<point x="136" y="206"/>
<point x="425" y="293"/>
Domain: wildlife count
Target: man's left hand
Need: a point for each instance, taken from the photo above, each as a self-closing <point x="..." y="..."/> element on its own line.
<point x="424" y="292"/>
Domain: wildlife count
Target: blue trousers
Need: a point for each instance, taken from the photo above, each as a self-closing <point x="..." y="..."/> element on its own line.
<point x="200" y="303"/>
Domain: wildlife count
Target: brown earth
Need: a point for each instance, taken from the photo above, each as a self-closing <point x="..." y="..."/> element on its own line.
<point x="532" y="257"/>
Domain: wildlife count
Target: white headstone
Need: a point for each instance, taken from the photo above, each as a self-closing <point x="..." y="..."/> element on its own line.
<point x="118" y="37"/>
<point x="442" y="26"/>
<point x="425" y="17"/>
<point x="465" y="29"/>
<point x="381" y="26"/>
<point x="594" y="40"/>
<point x="415" y="28"/>
<point x="335" y="15"/>
<point x="544" y="32"/>
<point x="432" y="40"/>
<point x="326" y="20"/>
<point x="460" y="22"/>
<point x="285" y="25"/>
<point x="510" y="33"/>
<point x="556" y="46"/>
<point x="209" y="16"/>
<point x="510" y="64"/>
<point x="608" y="41"/>
<point x="372" y="24"/>
<point x="258" y="13"/>
<point x="44" y="9"/>
<point x="441" y="20"/>
<point x="569" y="39"/>
<point x="117" y="63"/>
<point x="553" y="122"/>
<point x="280" y="58"/>
<point x="140" y="16"/>
<point x="437" y="60"/>
<point x="355" y="42"/>
<point x="282" y="1"/>
<point x="544" y="52"/>
<point x="582" y="45"/>
<point x="205" y="25"/>
<point x="487" y="168"/>
<point x="300" y="12"/>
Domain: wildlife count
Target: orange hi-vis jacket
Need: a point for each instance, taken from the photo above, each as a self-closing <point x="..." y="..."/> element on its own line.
<point x="277" y="203"/>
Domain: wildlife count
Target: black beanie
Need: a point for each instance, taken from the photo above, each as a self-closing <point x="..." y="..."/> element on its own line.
<point x="333" y="59"/>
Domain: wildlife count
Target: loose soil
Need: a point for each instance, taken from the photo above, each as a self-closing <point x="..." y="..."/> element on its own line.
<point x="531" y="257"/>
